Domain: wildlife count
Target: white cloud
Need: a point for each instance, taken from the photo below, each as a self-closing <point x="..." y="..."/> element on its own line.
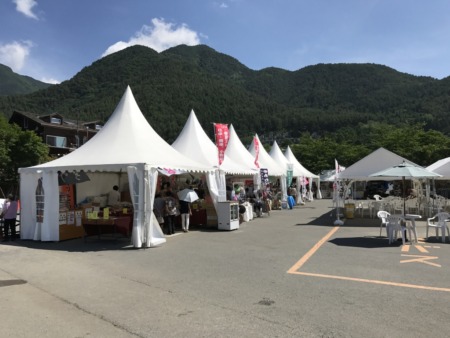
<point x="52" y="81"/>
<point x="15" y="54"/>
<point x="26" y="7"/>
<point x="160" y="36"/>
<point x="223" y="5"/>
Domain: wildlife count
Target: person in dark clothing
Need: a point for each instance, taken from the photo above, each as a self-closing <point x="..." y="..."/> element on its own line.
<point x="185" y="211"/>
<point x="9" y="214"/>
<point x="170" y="213"/>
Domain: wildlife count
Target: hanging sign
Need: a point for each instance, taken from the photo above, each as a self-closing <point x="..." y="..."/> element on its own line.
<point x="264" y="176"/>
<point x="222" y="136"/>
<point x="289" y="174"/>
<point x="256" y="144"/>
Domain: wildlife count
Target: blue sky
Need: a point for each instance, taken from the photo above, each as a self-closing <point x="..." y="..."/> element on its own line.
<point x="52" y="40"/>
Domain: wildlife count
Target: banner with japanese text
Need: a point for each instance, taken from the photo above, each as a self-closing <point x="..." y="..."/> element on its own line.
<point x="222" y="135"/>
<point x="264" y="176"/>
<point x="256" y="144"/>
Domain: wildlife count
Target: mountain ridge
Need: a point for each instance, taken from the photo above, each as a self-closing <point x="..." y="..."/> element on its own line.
<point x="318" y="98"/>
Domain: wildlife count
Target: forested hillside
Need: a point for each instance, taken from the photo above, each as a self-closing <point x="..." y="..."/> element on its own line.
<point x="12" y="83"/>
<point x="322" y="100"/>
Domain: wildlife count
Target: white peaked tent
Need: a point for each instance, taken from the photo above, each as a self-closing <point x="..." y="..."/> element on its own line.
<point x="376" y="161"/>
<point x="237" y="152"/>
<point x="298" y="167"/>
<point x="301" y="171"/>
<point x="278" y="157"/>
<point x="194" y="143"/>
<point x="441" y="167"/>
<point x="267" y="162"/>
<point x="127" y="143"/>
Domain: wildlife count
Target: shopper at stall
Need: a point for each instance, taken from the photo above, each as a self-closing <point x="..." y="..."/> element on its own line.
<point x="114" y="196"/>
<point x="186" y="212"/>
<point x="159" y="206"/>
<point x="9" y="214"/>
<point x="170" y="213"/>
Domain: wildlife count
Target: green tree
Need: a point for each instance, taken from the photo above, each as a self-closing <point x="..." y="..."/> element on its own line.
<point x="18" y="149"/>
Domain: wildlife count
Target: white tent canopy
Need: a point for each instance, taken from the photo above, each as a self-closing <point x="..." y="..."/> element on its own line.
<point x="299" y="169"/>
<point x="237" y="152"/>
<point x="300" y="172"/>
<point x="278" y="157"/>
<point x="265" y="160"/>
<point x="376" y="161"/>
<point x="127" y="143"/>
<point x="194" y="143"/>
<point x="441" y="167"/>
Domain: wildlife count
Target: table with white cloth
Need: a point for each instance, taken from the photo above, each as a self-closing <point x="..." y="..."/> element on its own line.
<point x="410" y="220"/>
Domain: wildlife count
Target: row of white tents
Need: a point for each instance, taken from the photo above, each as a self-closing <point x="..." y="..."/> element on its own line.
<point x="127" y="144"/>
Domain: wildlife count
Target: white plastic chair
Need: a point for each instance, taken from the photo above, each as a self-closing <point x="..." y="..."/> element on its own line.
<point x="439" y="222"/>
<point x="393" y="226"/>
<point x="362" y="207"/>
<point x="377" y="197"/>
<point x="383" y="216"/>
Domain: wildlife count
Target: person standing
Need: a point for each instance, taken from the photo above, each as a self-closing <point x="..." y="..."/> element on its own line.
<point x="170" y="213"/>
<point x="185" y="211"/>
<point x="158" y="208"/>
<point x="9" y="214"/>
<point x="114" y="196"/>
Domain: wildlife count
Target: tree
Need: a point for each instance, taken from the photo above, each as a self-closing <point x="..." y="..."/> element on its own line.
<point x="18" y="149"/>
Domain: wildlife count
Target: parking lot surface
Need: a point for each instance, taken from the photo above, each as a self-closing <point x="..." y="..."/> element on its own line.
<point x="290" y="274"/>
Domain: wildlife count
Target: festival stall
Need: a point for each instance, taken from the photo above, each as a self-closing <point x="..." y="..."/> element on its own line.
<point x="194" y="143"/>
<point x="267" y="163"/>
<point x="126" y="146"/>
<point x="301" y="173"/>
<point x="278" y="157"/>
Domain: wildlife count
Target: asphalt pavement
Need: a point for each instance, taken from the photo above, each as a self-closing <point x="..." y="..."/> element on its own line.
<point x="290" y="274"/>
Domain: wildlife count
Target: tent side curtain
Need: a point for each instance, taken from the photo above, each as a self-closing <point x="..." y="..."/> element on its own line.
<point x="46" y="228"/>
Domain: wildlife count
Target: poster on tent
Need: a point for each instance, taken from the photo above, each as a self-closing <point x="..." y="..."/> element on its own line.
<point x="264" y="172"/>
<point x="222" y="135"/>
<point x="289" y="174"/>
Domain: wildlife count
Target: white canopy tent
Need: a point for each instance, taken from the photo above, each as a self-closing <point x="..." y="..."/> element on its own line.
<point x="237" y="152"/>
<point x="278" y="156"/>
<point x="376" y="161"/>
<point x="441" y="167"/>
<point x="267" y="162"/>
<point x="194" y="143"/>
<point x="127" y="143"/>
<point x="300" y="171"/>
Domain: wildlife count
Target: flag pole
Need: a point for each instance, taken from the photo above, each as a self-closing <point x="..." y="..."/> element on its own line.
<point x="337" y="188"/>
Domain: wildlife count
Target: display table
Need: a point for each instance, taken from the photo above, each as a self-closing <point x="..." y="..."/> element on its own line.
<point x="115" y="225"/>
<point x="198" y="217"/>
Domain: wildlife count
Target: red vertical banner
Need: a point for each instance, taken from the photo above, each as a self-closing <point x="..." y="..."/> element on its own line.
<point x="256" y="144"/>
<point x="222" y="136"/>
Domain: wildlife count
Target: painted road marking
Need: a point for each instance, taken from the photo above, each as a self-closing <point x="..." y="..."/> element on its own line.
<point x="420" y="259"/>
<point x="420" y="248"/>
<point x="296" y="267"/>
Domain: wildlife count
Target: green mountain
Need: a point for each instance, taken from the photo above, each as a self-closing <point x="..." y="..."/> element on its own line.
<point x="14" y="84"/>
<point x="319" y="99"/>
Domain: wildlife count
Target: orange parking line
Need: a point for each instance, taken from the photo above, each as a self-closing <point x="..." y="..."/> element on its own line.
<point x="294" y="269"/>
<point x="311" y="252"/>
<point x="421" y="249"/>
<point x="412" y="286"/>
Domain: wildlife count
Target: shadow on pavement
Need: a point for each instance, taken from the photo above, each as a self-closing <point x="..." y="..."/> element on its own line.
<point x="77" y="245"/>
<point x="364" y="242"/>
